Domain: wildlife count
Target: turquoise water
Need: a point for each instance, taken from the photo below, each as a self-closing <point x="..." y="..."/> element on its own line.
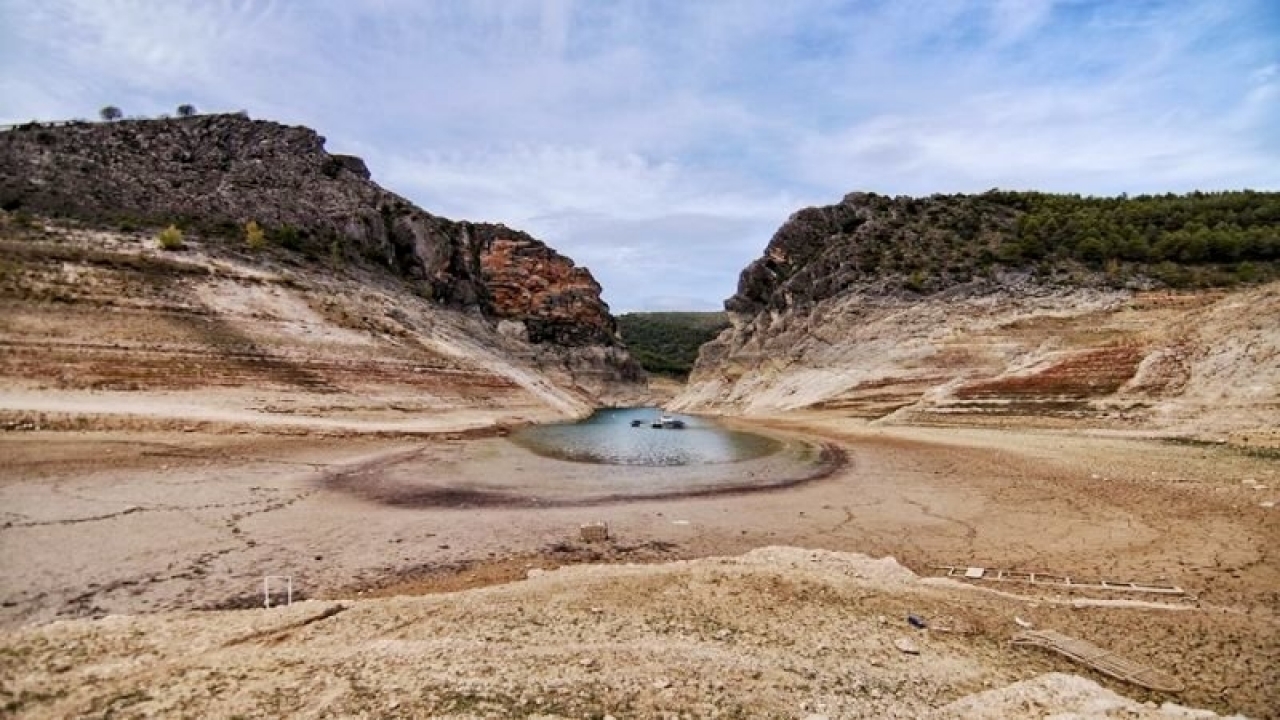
<point x="608" y="437"/>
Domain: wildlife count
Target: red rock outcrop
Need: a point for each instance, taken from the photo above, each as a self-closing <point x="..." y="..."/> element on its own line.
<point x="541" y="297"/>
<point x="557" y="301"/>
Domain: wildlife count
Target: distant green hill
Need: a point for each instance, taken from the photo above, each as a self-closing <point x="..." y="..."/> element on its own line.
<point x="666" y="343"/>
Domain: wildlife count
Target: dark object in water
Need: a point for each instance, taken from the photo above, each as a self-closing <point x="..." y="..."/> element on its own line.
<point x="637" y="423"/>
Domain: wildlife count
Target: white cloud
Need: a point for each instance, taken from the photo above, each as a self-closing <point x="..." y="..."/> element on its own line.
<point x="1013" y="20"/>
<point x="1042" y="140"/>
<point x="661" y="143"/>
<point x="643" y="227"/>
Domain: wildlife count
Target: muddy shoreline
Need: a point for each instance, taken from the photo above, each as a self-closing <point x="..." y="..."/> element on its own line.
<point x="494" y="473"/>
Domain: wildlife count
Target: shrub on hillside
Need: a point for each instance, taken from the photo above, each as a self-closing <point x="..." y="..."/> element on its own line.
<point x="254" y="236"/>
<point x="286" y="236"/>
<point x="170" y="238"/>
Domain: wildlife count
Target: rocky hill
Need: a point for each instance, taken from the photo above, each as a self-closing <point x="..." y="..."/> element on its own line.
<point x="105" y="189"/>
<point x="1143" y="312"/>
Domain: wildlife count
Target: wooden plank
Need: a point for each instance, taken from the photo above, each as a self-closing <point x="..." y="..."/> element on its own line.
<point x="1104" y="661"/>
<point x="1038" y="578"/>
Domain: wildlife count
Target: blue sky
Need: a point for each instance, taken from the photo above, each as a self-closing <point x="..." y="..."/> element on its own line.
<point x="661" y="143"/>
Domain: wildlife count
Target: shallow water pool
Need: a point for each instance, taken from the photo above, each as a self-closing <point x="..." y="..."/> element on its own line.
<point x="609" y="437"/>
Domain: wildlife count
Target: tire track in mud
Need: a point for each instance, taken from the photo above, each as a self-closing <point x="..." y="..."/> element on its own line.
<point x="970" y="532"/>
<point x="839" y="526"/>
<point x="80" y="520"/>
<point x="187" y="509"/>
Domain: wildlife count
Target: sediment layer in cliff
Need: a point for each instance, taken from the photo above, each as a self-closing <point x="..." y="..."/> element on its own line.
<point x="964" y="309"/>
<point x="103" y="330"/>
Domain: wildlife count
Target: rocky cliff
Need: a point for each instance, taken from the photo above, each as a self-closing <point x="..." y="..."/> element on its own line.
<point x="961" y="309"/>
<point x="541" y="297"/>
<point x="212" y="174"/>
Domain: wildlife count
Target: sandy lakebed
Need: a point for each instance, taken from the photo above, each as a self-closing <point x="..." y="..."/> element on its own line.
<point x="136" y="521"/>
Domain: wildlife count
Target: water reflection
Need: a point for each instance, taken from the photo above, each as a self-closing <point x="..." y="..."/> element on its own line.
<point x="609" y="437"/>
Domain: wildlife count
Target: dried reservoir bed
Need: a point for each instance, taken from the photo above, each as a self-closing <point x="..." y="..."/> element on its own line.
<point x="133" y="522"/>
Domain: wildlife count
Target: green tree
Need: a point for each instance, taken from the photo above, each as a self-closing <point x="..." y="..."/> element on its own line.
<point x="186" y="110"/>
<point x="1196" y="247"/>
<point x="1092" y="250"/>
<point x="110" y="113"/>
<point x="1135" y="248"/>
<point x="1225" y="244"/>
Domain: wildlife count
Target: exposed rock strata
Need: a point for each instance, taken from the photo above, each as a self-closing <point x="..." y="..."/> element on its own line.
<point x="103" y="325"/>
<point x="214" y="173"/>
<point x="812" y="329"/>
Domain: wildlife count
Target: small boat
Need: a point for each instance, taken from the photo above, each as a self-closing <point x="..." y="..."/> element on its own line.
<point x="668" y="422"/>
<point x="637" y="423"/>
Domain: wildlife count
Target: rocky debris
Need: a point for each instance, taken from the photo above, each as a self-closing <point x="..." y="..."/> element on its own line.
<point x="1064" y="696"/>
<point x="214" y="173"/>
<point x="907" y="646"/>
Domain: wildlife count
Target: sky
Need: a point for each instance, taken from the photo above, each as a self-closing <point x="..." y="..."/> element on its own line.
<point x="662" y="143"/>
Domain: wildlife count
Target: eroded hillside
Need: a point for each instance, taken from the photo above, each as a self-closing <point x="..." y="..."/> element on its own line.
<point x="105" y="324"/>
<point x="930" y="311"/>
